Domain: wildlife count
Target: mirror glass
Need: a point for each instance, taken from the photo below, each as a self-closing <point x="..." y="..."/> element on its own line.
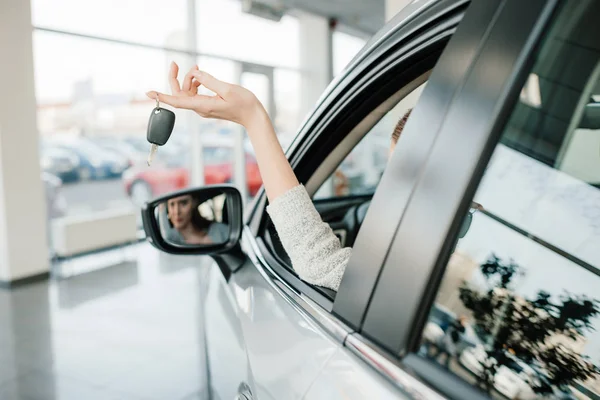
<point x="193" y="220"/>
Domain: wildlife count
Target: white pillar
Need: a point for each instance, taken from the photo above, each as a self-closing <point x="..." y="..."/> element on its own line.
<point x="392" y="7"/>
<point x="193" y="122"/>
<point x="23" y="234"/>
<point x="316" y="59"/>
<point x="316" y="64"/>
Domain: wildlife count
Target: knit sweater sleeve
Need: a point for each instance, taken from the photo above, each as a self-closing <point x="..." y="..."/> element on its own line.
<point x="316" y="253"/>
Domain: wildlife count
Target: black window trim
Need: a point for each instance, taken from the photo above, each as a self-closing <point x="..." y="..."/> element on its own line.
<point x="306" y="163"/>
<point x="395" y="319"/>
<point x="403" y="172"/>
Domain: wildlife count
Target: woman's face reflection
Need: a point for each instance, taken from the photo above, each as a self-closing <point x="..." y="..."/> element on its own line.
<point x="180" y="211"/>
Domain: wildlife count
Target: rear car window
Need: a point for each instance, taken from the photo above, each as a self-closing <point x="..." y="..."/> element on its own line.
<point x="518" y="310"/>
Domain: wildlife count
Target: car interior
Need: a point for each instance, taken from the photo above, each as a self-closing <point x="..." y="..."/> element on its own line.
<point x="346" y="213"/>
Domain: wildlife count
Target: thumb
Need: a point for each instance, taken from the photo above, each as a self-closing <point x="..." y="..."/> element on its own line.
<point x="175" y="101"/>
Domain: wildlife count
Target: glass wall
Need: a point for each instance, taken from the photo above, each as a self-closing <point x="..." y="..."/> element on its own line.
<point x="345" y="47"/>
<point x="91" y="78"/>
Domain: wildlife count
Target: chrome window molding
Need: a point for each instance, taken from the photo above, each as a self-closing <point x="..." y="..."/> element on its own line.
<point x="389" y="368"/>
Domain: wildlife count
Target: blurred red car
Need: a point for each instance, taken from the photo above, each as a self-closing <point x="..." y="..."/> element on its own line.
<point x="142" y="183"/>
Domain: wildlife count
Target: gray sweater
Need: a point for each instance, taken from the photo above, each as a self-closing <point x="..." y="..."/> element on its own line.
<point x="316" y="253"/>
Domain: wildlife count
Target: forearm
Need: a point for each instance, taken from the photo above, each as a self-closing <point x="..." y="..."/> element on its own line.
<point x="275" y="170"/>
<point x="315" y="251"/>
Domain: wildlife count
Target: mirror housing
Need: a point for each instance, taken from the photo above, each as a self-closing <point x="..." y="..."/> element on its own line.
<point x="232" y="213"/>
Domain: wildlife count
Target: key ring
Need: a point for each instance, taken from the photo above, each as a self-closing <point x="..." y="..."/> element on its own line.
<point x="157" y="101"/>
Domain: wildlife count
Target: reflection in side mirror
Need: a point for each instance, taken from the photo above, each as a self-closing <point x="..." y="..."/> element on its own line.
<point x="206" y="220"/>
<point x="184" y="221"/>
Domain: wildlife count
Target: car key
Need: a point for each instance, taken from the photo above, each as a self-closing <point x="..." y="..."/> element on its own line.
<point x="160" y="126"/>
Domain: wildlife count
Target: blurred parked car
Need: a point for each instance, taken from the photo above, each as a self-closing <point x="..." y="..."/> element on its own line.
<point x="167" y="152"/>
<point x="56" y="203"/>
<point x="515" y="380"/>
<point x="60" y="162"/>
<point x="117" y="145"/>
<point x="143" y="183"/>
<point x="95" y="162"/>
<point x="439" y="320"/>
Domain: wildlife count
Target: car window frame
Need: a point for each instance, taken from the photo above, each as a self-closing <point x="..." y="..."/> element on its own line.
<point x="395" y="318"/>
<point x="362" y="89"/>
<point x="403" y="173"/>
<point x="361" y="193"/>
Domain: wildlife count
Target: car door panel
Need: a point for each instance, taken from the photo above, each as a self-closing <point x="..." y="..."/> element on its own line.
<point x="225" y="348"/>
<point x="286" y="349"/>
<point x="267" y="344"/>
<point x="347" y="377"/>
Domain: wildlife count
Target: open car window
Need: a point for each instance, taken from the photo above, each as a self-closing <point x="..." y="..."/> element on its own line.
<point x="343" y="199"/>
<point x="361" y="170"/>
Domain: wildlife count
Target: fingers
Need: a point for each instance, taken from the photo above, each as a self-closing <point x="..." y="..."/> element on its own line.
<point x="204" y="105"/>
<point x="195" y="85"/>
<point x="210" y="82"/>
<point x="173" y="71"/>
<point x="175" y="101"/>
<point x="187" y="81"/>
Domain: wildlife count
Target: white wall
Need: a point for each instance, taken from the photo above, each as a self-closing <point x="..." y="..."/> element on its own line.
<point x="23" y="234"/>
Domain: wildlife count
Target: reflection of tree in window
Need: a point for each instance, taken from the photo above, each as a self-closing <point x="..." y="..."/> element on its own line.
<point x="541" y="332"/>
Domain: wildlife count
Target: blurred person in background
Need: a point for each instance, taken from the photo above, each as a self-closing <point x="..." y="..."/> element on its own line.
<point x="451" y="339"/>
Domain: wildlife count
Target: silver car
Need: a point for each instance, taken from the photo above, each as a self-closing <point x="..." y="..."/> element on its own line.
<point x="55" y="200"/>
<point x="498" y="122"/>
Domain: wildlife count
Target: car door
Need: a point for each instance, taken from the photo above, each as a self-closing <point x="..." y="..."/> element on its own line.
<point x="517" y="140"/>
<point x="268" y="334"/>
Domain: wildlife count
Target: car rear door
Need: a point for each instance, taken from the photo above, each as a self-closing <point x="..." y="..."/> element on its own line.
<point x="522" y="263"/>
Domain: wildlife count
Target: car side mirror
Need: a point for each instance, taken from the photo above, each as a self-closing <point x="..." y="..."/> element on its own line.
<point x="206" y="220"/>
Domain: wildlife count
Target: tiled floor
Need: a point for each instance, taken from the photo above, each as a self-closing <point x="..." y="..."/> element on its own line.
<point x="128" y="331"/>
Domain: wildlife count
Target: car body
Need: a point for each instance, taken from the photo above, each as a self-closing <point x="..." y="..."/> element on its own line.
<point x="56" y="203"/>
<point x="117" y="145"/>
<point x="60" y="162"/>
<point x="143" y="183"/>
<point x="270" y="335"/>
<point x="55" y="200"/>
<point x="141" y="145"/>
<point x="515" y="380"/>
<point x="439" y="320"/>
<point x="95" y="162"/>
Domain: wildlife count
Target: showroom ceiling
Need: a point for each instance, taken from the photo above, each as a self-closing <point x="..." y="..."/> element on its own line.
<point x="360" y="16"/>
<point x="363" y="15"/>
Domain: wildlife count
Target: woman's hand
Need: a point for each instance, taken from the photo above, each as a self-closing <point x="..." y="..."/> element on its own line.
<point x="234" y="103"/>
<point x="231" y="102"/>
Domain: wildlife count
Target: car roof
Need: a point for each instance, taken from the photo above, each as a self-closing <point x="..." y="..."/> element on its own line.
<point x="403" y="17"/>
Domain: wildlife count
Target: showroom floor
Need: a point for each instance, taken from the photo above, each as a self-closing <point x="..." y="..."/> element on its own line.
<point x="127" y="331"/>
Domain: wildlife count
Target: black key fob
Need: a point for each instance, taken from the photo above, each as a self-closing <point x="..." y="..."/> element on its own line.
<point x="160" y="126"/>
